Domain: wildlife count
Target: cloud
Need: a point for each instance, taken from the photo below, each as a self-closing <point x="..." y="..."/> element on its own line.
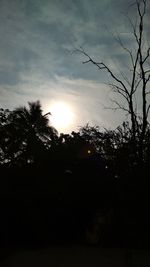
<point x="34" y="58"/>
<point x="86" y="97"/>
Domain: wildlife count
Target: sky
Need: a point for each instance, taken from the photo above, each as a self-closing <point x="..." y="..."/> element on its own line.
<point x="37" y="61"/>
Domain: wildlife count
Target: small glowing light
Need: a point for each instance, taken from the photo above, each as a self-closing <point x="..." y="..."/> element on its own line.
<point x="89" y="151"/>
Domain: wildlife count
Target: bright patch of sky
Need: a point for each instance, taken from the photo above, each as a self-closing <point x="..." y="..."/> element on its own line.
<point x="36" y="63"/>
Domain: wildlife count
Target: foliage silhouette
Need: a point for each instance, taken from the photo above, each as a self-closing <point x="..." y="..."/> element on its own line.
<point x="25" y="134"/>
<point x="58" y="188"/>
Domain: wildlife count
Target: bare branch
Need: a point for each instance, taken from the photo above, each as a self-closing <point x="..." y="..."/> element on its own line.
<point x="133" y="28"/>
<point x="101" y="66"/>
<point x="147" y="93"/>
<point x="119" y="106"/>
<point x="140" y="76"/>
<point x="126" y="49"/>
<point x="147" y="71"/>
<point x="86" y="61"/>
<point x="125" y="78"/>
<point x="147" y="110"/>
<point x="141" y="14"/>
<point x="119" y="90"/>
<point x="134" y="73"/>
<point x="137" y="83"/>
<point x="139" y="9"/>
<point x="147" y="56"/>
<point x="147" y="80"/>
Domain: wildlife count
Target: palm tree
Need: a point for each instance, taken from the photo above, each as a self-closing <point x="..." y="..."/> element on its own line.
<point x="29" y="133"/>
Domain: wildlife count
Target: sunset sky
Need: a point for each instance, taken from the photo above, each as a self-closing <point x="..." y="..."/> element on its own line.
<point x="36" y="62"/>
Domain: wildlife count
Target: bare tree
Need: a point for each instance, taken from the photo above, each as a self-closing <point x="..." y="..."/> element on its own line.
<point x="128" y="87"/>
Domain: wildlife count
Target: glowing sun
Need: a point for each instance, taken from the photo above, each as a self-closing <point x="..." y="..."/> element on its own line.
<point x="62" y="115"/>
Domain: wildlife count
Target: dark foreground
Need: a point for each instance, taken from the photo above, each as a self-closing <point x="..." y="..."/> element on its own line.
<point x="107" y="219"/>
<point x="77" y="256"/>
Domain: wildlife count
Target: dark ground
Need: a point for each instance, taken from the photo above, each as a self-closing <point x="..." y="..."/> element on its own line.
<point x="79" y="256"/>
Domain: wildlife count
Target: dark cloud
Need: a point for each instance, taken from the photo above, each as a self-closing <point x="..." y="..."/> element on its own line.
<point x="36" y="37"/>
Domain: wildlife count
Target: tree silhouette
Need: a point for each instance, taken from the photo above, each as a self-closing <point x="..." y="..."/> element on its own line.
<point x="25" y="133"/>
<point x="136" y="82"/>
<point x="79" y="174"/>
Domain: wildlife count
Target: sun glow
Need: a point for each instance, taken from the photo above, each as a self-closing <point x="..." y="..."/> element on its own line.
<point x="62" y="116"/>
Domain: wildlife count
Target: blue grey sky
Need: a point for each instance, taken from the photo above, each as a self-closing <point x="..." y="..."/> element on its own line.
<point x="35" y="62"/>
